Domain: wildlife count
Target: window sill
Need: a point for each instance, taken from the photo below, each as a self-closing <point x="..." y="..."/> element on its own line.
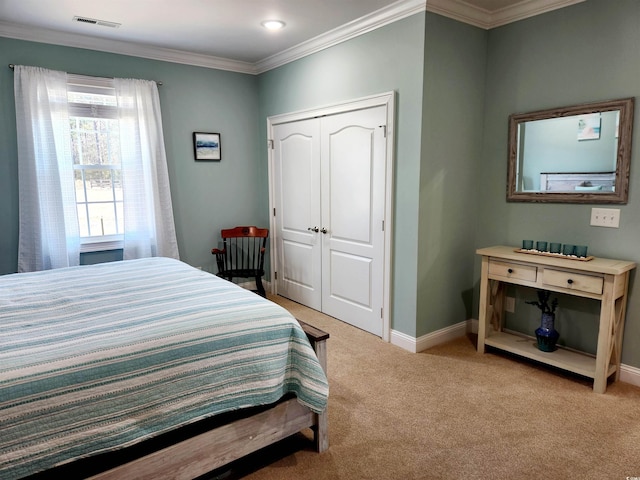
<point x="101" y="245"/>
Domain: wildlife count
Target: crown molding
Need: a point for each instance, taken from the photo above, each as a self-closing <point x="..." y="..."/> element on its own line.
<point x="379" y="18"/>
<point x="479" y="17"/>
<point x="41" y="35"/>
<point x="455" y="9"/>
<point x="461" y="11"/>
<point x="528" y="8"/>
<point x="392" y="13"/>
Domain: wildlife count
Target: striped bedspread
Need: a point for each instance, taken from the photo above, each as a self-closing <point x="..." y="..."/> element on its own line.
<point x="96" y="358"/>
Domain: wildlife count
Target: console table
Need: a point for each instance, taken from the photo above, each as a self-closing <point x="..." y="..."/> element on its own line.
<point x="601" y="279"/>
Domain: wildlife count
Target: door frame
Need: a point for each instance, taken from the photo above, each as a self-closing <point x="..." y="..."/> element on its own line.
<point x="386" y="99"/>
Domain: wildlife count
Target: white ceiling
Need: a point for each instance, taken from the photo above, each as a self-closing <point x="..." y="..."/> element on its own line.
<point x="227" y="33"/>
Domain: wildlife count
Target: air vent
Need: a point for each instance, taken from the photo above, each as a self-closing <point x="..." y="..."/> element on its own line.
<point x="93" y="21"/>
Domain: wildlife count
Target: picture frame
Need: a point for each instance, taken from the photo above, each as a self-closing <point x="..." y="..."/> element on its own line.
<point x="589" y="127"/>
<point x="207" y="146"/>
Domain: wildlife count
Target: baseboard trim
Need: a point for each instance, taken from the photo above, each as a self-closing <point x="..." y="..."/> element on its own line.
<point x="251" y="285"/>
<point x="429" y="340"/>
<point x="629" y="374"/>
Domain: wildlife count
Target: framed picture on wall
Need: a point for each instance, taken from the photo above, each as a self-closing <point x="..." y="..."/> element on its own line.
<point x="206" y="146"/>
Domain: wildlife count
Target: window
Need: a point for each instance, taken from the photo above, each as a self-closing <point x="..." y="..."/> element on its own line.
<point x="92" y="169"/>
<point x="95" y="144"/>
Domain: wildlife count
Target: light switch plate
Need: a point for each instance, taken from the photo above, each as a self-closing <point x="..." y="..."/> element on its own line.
<point x="605" y="217"/>
<point x="510" y="304"/>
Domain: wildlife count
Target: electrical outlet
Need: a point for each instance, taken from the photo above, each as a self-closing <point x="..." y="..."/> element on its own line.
<point x="510" y="304"/>
<point x="605" y="217"/>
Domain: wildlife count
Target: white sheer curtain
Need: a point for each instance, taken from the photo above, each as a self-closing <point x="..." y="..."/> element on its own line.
<point x="148" y="214"/>
<point x="49" y="235"/>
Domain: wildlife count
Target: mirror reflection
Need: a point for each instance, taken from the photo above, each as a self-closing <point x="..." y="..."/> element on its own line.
<point x="574" y="154"/>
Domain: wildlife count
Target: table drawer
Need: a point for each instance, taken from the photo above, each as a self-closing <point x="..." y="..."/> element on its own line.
<point x="573" y="281"/>
<point x="513" y="270"/>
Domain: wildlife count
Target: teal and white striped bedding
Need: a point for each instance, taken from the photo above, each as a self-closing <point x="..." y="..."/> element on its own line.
<point x="96" y="358"/>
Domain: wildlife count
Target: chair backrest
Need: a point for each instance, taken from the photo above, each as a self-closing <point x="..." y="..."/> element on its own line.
<point x="245" y="232"/>
<point x="244" y="249"/>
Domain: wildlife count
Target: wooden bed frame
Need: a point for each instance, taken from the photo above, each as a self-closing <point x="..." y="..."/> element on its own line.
<point x="222" y="445"/>
<point x="204" y="452"/>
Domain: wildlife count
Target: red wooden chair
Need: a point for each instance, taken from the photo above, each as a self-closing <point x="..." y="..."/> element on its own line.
<point x="242" y="254"/>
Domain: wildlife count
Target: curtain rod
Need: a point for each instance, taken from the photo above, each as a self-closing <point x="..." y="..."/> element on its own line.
<point x="12" y="66"/>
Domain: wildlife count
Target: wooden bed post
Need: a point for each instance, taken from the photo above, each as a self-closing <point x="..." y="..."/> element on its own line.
<point x="318" y="340"/>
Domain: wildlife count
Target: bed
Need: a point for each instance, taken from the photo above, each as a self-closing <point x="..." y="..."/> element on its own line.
<point x="96" y="361"/>
<point x="578" y="182"/>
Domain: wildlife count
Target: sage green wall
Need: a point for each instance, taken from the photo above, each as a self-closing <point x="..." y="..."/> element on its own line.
<point x="582" y="53"/>
<point x="389" y="58"/>
<point x="455" y="61"/>
<point x="451" y="141"/>
<point x="207" y="196"/>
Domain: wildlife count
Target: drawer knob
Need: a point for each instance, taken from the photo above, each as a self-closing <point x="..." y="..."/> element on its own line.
<point x="570" y="281"/>
<point x="510" y="270"/>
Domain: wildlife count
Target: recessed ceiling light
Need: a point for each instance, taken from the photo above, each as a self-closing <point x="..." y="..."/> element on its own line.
<point x="273" y="24"/>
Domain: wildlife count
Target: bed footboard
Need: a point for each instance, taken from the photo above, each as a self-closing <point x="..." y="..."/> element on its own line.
<point x="222" y="445"/>
<point x="218" y="447"/>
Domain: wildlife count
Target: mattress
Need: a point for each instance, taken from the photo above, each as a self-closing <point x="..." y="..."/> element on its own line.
<point x="97" y="358"/>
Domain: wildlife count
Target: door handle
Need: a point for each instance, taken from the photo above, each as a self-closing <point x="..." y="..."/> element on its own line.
<point x="324" y="230"/>
<point x="314" y="229"/>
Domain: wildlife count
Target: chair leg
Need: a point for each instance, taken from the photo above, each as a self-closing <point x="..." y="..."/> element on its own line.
<point x="260" y="288"/>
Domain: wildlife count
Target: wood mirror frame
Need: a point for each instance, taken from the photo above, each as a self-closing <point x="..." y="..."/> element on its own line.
<point x="620" y="191"/>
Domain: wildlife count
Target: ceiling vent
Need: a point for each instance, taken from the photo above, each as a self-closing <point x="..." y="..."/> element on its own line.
<point x="93" y="21"/>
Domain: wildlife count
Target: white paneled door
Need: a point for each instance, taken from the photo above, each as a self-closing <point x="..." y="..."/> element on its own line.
<point x="297" y="208"/>
<point x="329" y="194"/>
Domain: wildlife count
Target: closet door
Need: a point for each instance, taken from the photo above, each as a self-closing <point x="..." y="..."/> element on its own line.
<point x="329" y="193"/>
<point x="353" y="196"/>
<point x="297" y="211"/>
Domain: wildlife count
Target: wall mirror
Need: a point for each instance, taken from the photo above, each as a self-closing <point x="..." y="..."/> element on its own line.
<point x="577" y="154"/>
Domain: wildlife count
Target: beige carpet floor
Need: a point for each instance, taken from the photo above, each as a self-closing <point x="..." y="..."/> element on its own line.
<point x="451" y="413"/>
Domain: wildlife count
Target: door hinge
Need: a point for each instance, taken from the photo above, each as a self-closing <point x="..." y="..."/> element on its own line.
<point x="381" y="312"/>
<point x="270" y="144"/>
<point x="383" y="225"/>
<point x="276" y="275"/>
<point x="384" y="130"/>
<point x="274" y="212"/>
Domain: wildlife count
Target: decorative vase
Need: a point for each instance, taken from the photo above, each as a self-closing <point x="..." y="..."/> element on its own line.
<point x="546" y="334"/>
